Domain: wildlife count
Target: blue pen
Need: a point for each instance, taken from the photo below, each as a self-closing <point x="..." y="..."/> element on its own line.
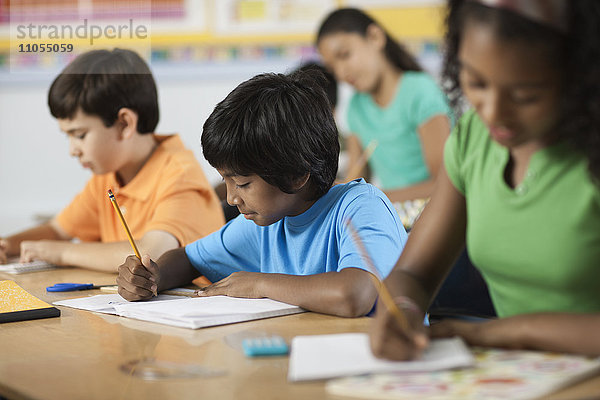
<point x="69" y="287"/>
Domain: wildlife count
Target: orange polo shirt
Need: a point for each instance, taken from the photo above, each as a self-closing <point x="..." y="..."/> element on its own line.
<point x="170" y="193"/>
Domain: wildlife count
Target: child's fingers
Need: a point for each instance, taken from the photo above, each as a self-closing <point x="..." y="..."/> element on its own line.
<point x="27" y="254"/>
<point x="135" y="267"/>
<point x="132" y="293"/>
<point x="150" y="265"/>
<point x="133" y="287"/>
<point x="389" y="340"/>
<point x="421" y="341"/>
<point x="153" y="269"/>
<point x="211" y="290"/>
<point x="135" y="280"/>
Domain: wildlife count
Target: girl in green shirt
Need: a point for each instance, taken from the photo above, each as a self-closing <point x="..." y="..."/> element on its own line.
<point x="519" y="184"/>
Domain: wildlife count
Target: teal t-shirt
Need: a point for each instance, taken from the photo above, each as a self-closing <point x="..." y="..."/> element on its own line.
<point x="398" y="159"/>
<point x="538" y="245"/>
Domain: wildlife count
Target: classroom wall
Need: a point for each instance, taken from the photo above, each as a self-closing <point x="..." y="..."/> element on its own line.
<point x="38" y="176"/>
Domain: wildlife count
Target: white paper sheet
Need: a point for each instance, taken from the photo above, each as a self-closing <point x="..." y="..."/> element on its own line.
<point x="331" y="356"/>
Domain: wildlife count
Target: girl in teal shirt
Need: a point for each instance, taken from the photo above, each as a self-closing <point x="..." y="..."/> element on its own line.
<point x="396" y="104"/>
<point x="520" y="182"/>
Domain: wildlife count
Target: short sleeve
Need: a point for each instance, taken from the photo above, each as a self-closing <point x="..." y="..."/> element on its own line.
<point x="234" y="247"/>
<point x="185" y="205"/>
<point x="351" y="114"/>
<point x="463" y="145"/>
<point x="452" y="160"/>
<point x="80" y="219"/>
<point x="380" y="230"/>
<point x="188" y="212"/>
<point x="429" y="100"/>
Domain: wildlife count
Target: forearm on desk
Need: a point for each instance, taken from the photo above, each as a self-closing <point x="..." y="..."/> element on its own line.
<point x="40" y="232"/>
<point x="97" y="256"/>
<point x="108" y="256"/>
<point x="348" y="293"/>
<point x="557" y="332"/>
<point x="420" y="190"/>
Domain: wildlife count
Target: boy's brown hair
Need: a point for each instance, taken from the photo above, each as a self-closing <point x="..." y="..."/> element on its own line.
<point x="101" y="82"/>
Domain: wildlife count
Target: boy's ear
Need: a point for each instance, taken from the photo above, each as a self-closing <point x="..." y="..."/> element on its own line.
<point x="301" y="182"/>
<point x="376" y="35"/>
<point x="127" y="120"/>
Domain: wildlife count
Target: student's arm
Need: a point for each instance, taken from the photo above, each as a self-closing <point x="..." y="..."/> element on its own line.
<point x="96" y="255"/>
<point x="11" y="246"/>
<point x="433" y="134"/>
<point x="433" y="245"/>
<point x="347" y="293"/>
<point x="354" y="150"/>
<point x="556" y="332"/>
<point x="139" y="281"/>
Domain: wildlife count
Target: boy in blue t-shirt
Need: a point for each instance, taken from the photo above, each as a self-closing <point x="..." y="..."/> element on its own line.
<point x="275" y="143"/>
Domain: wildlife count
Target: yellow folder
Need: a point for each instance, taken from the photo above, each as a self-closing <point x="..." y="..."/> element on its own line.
<point x="16" y="304"/>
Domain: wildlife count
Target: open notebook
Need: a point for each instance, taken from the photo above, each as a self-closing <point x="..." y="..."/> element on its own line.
<point x="185" y="312"/>
<point x="330" y="356"/>
<point x="497" y="374"/>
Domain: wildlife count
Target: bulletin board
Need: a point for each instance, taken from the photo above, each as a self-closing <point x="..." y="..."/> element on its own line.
<point x="206" y="31"/>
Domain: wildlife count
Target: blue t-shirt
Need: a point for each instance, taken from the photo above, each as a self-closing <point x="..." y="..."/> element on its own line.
<point x="313" y="242"/>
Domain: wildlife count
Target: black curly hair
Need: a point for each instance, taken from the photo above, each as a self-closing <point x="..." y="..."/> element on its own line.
<point x="279" y="127"/>
<point x="576" y="54"/>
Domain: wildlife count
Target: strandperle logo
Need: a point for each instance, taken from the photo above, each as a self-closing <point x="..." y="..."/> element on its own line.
<point x="82" y="31"/>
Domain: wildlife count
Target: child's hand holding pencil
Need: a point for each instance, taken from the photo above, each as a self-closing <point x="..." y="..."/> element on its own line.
<point x="389" y="339"/>
<point x="138" y="279"/>
<point x="398" y="327"/>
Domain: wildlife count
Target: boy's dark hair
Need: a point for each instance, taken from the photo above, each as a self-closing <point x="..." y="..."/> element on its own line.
<point x="352" y="20"/>
<point x="329" y="84"/>
<point x="575" y="54"/>
<point x="101" y="82"/>
<point x="279" y="127"/>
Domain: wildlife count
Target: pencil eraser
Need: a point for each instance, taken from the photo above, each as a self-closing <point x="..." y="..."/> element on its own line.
<point x="265" y="346"/>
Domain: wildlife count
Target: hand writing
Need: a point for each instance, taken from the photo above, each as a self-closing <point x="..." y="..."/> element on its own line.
<point x="138" y="280"/>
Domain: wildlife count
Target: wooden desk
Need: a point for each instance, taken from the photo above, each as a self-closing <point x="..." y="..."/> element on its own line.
<point x="84" y="355"/>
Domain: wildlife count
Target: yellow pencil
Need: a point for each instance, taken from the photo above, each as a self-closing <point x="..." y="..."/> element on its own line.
<point x="362" y="160"/>
<point x="384" y="294"/>
<point x="118" y="210"/>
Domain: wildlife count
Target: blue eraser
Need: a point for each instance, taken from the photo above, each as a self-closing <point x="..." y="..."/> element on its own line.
<point x="265" y="346"/>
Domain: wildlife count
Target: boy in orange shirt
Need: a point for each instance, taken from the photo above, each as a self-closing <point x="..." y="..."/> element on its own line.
<point x="107" y="104"/>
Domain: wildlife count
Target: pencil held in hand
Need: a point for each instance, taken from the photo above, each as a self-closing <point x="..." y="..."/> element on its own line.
<point x="384" y="294"/>
<point x="362" y="160"/>
<point x="112" y="198"/>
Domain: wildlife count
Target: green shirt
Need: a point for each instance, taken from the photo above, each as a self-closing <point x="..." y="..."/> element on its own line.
<point x="398" y="159"/>
<point x="538" y="245"/>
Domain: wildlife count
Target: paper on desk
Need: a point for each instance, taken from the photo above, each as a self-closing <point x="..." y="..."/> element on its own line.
<point x="185" y="312"/>
<point x="331" y="356"/>
<point x="15" y="267"/>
